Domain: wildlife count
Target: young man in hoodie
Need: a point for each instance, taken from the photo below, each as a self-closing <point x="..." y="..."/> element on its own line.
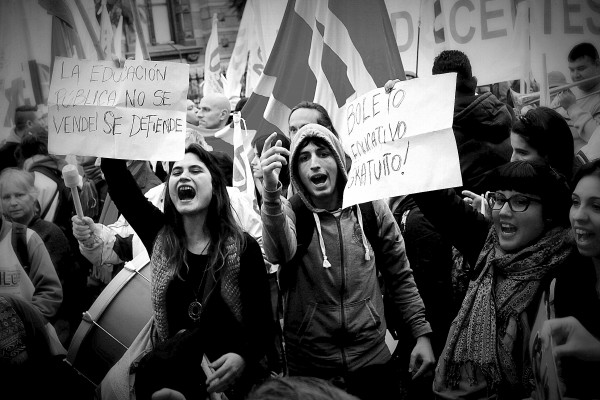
<point x="334" y="324"/>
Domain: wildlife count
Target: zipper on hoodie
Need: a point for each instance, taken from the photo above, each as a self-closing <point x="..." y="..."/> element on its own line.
<point x="342" y="290"/>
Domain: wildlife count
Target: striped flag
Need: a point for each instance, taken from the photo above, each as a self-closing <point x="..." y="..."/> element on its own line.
<point x="242" y="171"/>
<point x="212" y="62"/>
<point x="328" y="52"/>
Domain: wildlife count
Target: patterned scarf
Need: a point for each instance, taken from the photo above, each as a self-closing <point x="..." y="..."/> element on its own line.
<point x="13" y="349"/>
<point x="162" y="274"/>
<point x="484" y="332"/>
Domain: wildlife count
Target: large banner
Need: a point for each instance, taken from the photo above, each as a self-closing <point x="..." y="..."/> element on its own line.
<point x="504" y="39"/>
<point x="401" y="142"/>
<point x="135" y="112"/>
<point x="486" y="31"/>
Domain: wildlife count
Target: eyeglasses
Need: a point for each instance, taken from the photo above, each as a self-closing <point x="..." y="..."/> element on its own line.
<point x="517" y="202"/>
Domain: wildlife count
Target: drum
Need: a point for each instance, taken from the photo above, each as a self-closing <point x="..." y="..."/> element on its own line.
<point x="113" y="321"/>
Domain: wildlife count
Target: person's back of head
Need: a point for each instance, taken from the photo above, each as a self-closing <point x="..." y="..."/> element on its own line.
<point x="456" y="61"/>
<point x="225" y="164"/>
<point x="240" y="104"/>
<point x="547" y="133"/>
<point x="32" y="145"/>
<point x="25" y="117"/>
<point x="322" y="117"/>
<point x="298" y="388"/>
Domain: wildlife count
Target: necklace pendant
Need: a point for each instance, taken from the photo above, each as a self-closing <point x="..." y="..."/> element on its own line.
<point x="195" y="310"/>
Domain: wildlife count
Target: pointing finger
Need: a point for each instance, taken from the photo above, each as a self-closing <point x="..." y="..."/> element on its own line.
<point x="267" y="144"/>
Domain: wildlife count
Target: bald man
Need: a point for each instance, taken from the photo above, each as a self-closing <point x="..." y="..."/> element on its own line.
<point x="213" y="113"/>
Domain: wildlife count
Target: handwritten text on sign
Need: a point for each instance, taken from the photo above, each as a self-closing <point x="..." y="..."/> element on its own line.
<point x="401" y="142"/>
<point x="135" y="112"/>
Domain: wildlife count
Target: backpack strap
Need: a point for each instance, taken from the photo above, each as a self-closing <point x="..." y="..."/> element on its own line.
<point x="19" y="243"/>
<point x="305" y="226"/>
<point x="51" y="173"/>
<point x="394" y="322"/>
<point x="47" y="208"/>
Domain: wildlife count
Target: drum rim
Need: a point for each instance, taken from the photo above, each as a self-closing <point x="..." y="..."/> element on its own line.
<point x="96" y="310"/>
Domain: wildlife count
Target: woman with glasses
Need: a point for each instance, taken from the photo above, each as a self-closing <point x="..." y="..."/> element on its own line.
<point x="513" y="257"/>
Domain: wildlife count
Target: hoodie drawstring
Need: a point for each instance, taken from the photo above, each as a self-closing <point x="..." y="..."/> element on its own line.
<point x="326" y="263"/>
<point x="362" y="231"/>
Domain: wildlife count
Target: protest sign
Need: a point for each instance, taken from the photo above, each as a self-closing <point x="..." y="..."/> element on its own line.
<point x="135" y="112"/>
<point x="401" y="142"/>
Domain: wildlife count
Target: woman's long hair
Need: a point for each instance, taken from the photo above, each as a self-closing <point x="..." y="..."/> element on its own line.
<point x="548" y="133"/>
<point x="222" y="227"/>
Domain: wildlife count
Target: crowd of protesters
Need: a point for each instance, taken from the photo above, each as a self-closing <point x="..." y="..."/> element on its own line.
<point x="295" y="296"/>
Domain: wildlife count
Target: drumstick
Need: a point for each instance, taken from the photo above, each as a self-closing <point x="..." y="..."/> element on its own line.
<point x="208" y="371"/>
<point x="71" y="178"/>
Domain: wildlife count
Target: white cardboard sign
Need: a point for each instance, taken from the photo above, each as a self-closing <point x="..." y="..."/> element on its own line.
<point x="401" y="142"/>
<point x="135" y="112"/>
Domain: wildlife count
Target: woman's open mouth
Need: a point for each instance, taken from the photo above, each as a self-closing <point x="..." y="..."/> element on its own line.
<point x="186" y="192"/>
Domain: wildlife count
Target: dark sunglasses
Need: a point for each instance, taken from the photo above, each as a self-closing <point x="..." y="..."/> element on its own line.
<point x="517" y="202"/>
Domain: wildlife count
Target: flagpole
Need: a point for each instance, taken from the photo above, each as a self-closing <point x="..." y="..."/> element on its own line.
<point x="418" y="40"/>
<point x="90" y="28"/>
<point x="138" y="29"/>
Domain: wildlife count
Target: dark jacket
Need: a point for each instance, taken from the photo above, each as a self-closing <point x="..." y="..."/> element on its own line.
<point x="575" y="295"/>
<point x="57" y="244"/>
<point x="482" y="130"/>
<point x="430" y="257"/>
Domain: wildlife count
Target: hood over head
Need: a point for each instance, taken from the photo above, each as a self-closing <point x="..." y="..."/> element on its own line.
<point x="299" y="141"/>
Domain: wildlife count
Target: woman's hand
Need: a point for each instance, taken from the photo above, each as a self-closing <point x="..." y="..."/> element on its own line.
<point x="478" y="202"/>
<point x="227" y="369"/>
